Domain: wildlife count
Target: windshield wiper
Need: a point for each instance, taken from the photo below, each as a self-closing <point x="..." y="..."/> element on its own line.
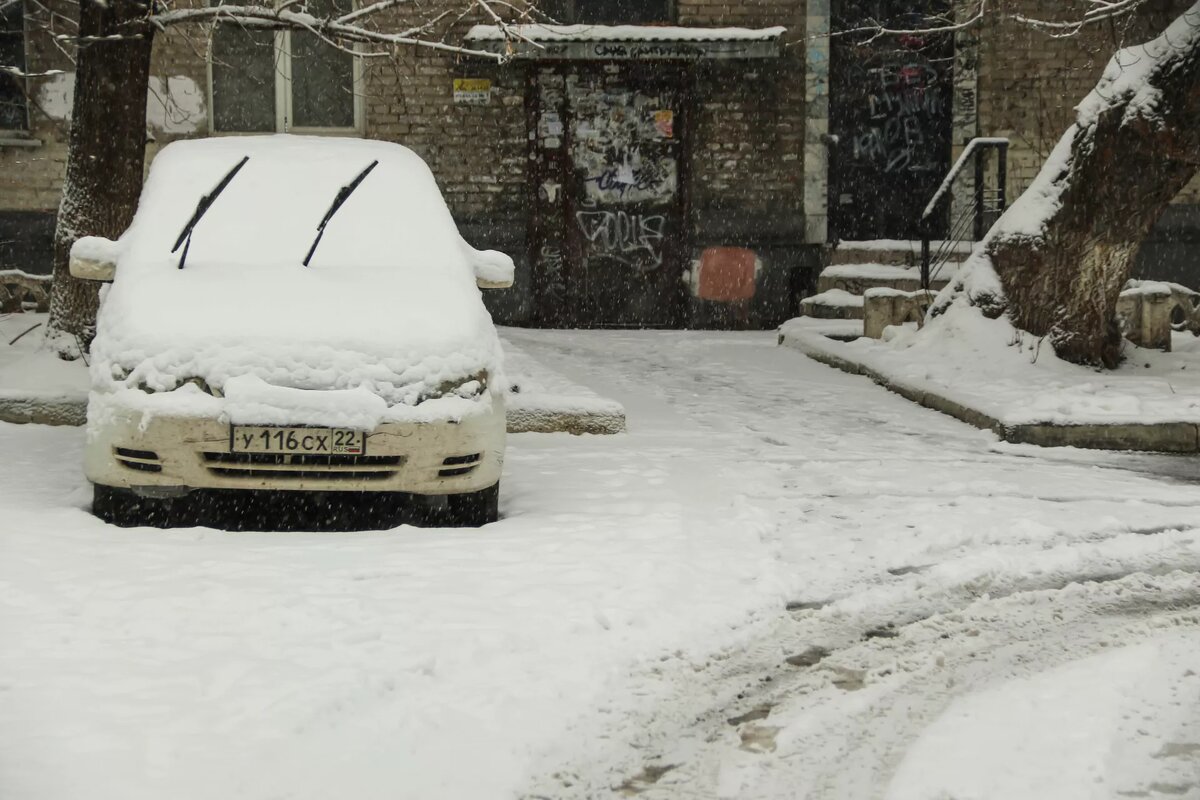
<point x="342" y="194"/>
<point x="206" y="201"/>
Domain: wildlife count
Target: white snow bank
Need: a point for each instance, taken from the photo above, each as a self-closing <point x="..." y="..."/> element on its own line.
<point x="1103" y="726"/>
<point x="644" y="33"/>
<point x="389" y="301"/>
<point x="990" y="366"/>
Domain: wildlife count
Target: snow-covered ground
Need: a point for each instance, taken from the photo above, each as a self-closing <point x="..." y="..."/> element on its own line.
<point x="28" y="369"/>
<point x="783" y="581"/>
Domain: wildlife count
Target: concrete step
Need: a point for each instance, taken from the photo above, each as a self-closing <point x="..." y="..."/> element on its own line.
<point x="833" y="304"/>
<point x="893" y="252"/>
<point x="843" y="330"/>
<point x="857" y="278"/>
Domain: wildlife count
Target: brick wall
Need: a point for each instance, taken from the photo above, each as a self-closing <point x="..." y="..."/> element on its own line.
<point x="477" y="152"/>
<point x="31" y="176"/>
<point x="748" y="150"/>
<point x="748" y="127"/>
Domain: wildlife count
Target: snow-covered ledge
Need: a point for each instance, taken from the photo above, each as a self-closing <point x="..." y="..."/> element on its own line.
<point x="626" y="42"/>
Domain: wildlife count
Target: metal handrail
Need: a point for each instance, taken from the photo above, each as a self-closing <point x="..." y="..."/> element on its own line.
<point x="976" y="148"/>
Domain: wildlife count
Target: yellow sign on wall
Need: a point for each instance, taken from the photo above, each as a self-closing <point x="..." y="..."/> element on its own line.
<point x="472" y="91"/>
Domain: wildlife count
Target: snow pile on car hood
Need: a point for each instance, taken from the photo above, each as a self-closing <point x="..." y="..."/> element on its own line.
<point x="389" y="301"/>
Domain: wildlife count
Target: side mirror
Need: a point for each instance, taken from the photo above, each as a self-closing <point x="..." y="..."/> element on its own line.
<point x="94" y="258"/>
<point x="85" y="269"/>
<point x="493" y="270"/>
<point x="485" y="283"/>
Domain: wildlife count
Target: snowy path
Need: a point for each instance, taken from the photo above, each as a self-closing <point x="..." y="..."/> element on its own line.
<point x="631" y="600"/>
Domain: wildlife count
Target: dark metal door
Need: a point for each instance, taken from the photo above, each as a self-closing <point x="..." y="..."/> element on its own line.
<point x="608" y="244"/>
<point x="890" y="107"/>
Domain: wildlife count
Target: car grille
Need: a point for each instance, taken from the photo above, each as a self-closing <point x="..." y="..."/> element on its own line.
<point x="459" y="465"/>
<point x="322" y="467"/>
<point x="140" y="460"/>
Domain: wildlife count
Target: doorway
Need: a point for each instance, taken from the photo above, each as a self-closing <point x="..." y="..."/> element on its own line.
<point x="891" y="111"/>
<point x="608" y="229"/>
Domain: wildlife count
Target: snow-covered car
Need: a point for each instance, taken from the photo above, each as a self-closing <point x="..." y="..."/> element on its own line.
<point x="298" y="314"/>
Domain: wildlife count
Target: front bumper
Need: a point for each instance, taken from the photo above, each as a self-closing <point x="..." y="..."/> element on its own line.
<point x="169" y="455"/>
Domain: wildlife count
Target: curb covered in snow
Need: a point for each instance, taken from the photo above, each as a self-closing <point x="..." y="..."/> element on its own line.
<point x="43" y="409"/>
<point x="548" y="414"/>
<point x="1163" y="437"/>
<point x="535" y="414"/>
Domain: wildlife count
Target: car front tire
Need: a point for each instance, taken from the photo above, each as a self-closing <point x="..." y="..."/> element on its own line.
<point x="474" y="509"/>
<point x="125" y="509"/>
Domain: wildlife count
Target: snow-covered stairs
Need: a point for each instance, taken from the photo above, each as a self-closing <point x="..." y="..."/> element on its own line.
<point x="836" y="310"/>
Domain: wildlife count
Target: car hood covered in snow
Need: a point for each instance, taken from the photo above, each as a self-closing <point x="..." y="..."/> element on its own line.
<point x="389" y="301"/>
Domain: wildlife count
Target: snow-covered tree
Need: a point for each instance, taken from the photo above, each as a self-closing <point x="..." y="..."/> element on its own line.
<point x="1056" y="262"/>
<point x="1058" y="259"/>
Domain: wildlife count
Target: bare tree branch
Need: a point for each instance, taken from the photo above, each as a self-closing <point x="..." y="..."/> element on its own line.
<point x="331" y="30"/>
<point x="1099" y="11"/>
<point x="1103" y="10"/>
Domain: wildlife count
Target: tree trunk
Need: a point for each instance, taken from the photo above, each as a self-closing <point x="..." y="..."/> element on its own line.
<point x="107" y="151"/>
<point x="1136" y="145"/>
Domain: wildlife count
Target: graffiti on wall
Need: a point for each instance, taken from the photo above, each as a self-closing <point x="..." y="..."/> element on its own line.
<point x="902" y="102"/>
<point x="632" y="239"/>
<point x="634" y="180"/>
<point x="550" y="261"/>
<point x="616" y="137"/>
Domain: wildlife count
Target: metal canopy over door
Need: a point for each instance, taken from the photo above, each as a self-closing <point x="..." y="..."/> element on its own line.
<point x="608" y="229"/>
<point x="890" y="107"/>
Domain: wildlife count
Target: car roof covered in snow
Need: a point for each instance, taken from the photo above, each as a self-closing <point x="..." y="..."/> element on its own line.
<point x="392" y="281"/>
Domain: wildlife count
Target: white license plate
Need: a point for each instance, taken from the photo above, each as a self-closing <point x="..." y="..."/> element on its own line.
<point x="299" y="441"/>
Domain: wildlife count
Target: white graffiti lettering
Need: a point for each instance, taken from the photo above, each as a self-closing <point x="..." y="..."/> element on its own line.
<point x="632" y="239"/>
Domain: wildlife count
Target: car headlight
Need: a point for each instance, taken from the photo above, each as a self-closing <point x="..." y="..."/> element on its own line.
<point x="472" y="388"/>
<point x="199" y="383"/>
<point x="467" y="388"/>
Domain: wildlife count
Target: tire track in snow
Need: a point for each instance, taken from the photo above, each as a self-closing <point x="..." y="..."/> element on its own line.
<point x="853" y="480"/>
